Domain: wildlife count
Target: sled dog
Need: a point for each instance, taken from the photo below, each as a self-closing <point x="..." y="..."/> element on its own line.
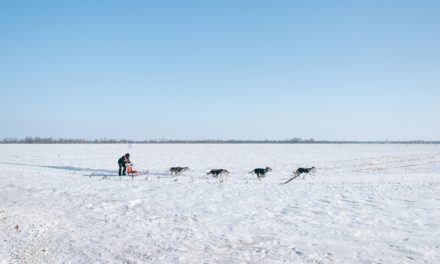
<point x="217" y="172"/>
<point x="177" y="170"/>
<point x="305" y="171"/>
<point x="261" y="173"/>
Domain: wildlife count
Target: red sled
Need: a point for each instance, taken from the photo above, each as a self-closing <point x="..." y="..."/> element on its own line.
<point x="132" y="172"/>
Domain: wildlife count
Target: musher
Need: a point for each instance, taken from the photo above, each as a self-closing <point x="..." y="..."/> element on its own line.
<point x="124" y="159"/>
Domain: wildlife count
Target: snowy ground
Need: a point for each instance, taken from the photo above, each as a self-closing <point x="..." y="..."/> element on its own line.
<point x="365" y="200"/>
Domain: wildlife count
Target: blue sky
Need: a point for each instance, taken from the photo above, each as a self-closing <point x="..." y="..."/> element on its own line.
<point x="335" y="70"/>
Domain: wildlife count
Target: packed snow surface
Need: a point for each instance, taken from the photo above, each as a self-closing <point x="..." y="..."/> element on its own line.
<point x="366" y="204"/>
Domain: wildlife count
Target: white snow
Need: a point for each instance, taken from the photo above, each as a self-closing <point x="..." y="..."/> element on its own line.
<point x="364" y="201"/>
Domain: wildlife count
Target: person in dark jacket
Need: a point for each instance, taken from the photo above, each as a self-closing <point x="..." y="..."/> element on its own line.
<point x="124" y="159"/>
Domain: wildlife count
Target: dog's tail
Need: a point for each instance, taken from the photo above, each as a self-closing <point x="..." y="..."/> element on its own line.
<point x="252" y="171"/>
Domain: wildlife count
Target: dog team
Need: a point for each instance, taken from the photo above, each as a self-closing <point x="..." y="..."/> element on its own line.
<point x="261" y="173"/>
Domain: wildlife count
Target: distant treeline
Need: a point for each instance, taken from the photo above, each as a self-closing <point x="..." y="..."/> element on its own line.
<point x="38" y="140"/>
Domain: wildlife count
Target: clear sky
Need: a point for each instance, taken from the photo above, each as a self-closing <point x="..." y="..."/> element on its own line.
<point x="335" y="70"/>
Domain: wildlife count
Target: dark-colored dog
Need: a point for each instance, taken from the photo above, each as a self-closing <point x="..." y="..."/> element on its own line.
<point x="261" y="173"/>
<point x="309" y="171"/>
<point x="305" y="171"/>
<point x="178" y="170"/>
<point x="217" y="172"/>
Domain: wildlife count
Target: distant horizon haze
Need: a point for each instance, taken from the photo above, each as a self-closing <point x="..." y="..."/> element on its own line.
<point x="51" y="140"/>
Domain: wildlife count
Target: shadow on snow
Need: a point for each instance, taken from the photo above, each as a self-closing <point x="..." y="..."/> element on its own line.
<point x="71" y="168"/>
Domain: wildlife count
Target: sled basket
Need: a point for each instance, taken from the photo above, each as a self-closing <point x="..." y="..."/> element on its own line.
<point x="132" y="172"/>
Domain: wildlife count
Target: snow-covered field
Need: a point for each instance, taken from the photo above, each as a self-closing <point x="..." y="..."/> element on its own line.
<point x="367" y="204"/>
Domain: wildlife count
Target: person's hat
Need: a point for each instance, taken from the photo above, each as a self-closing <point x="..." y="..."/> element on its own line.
<point x="127" y="155"/>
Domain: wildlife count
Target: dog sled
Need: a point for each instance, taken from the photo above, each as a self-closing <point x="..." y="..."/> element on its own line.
<point x="132" y="172"/>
